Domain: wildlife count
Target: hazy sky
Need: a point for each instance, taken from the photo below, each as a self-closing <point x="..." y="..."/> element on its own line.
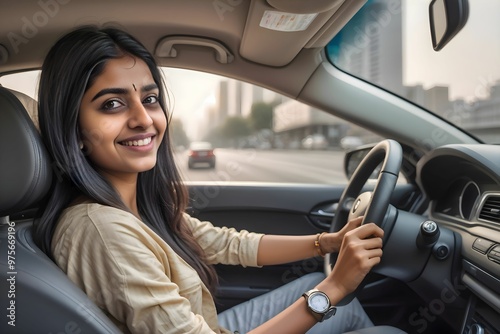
<point x="452" y="66"/>
<point x="190" y="93"/>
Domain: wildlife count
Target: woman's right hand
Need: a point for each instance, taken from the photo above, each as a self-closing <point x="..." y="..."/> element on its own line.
<point x="361" y="249"/>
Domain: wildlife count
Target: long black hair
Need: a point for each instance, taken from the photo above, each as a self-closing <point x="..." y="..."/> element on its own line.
<point x="69" y="69"/>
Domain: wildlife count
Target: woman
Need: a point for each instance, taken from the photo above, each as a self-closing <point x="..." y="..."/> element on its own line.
<point x="115" y="220"/>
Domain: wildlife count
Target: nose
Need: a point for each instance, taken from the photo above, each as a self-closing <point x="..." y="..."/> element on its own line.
<point x="139" y="116"/>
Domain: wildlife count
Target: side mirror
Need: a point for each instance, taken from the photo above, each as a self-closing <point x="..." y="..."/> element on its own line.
<point x="354" y="157"/>
<point x="447" y="18"/>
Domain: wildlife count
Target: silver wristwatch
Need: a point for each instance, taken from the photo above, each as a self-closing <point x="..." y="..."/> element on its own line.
<point x="319" y="304"/>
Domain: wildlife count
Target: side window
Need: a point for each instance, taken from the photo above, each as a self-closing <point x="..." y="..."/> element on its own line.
<point x="225" y="130"/>
<point x="231" y="131"/>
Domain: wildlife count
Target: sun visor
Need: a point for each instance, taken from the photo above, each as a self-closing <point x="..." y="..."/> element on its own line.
<point x="304" y="7"/>
<point x="274" y="35"/>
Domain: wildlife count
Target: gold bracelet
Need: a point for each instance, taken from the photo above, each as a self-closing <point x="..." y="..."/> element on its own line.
<point x="317" y="244"/>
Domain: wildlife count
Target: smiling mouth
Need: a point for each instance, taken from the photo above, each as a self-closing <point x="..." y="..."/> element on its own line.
<point x="140" y="142"/>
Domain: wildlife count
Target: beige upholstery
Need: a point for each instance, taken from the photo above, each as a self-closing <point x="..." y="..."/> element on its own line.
<point x="30" y="104"/>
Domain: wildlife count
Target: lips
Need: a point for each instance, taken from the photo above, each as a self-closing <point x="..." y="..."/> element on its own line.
<point x="139" y="142"/>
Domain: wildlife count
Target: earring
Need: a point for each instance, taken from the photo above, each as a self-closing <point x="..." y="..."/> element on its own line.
<point x="80" y="144"/>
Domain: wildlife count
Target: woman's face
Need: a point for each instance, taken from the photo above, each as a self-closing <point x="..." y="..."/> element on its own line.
<point x="121" y="121"/>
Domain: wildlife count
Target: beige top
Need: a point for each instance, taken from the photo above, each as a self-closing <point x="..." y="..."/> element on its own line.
<point x="135" y="277"/>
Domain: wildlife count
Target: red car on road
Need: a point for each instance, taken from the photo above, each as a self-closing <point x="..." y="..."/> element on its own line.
<point x="201" y="153"/>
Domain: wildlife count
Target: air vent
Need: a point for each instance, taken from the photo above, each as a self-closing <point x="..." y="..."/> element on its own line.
<point x="491" y="209"/>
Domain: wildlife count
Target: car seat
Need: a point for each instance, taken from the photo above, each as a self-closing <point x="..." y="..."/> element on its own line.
<point x="36" y="296"/>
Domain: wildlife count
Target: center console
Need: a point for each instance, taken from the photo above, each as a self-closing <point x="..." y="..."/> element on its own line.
<point x="483" y="309"/>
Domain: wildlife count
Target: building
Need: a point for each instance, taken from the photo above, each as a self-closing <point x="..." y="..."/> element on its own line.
<point x="482" y="117"/>
<point x="235" y="98"/>
<point x="293" y="121"/>
<point x="435" y="98"/>
<point x="366" y="51"/>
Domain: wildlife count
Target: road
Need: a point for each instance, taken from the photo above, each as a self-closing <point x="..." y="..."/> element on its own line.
<point x="324" y="167"/>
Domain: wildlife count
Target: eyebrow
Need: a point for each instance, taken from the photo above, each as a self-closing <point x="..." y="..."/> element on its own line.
<point x="123" y="91"/>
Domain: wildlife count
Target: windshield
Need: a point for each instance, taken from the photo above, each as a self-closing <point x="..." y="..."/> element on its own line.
<point x="388" y="43"/>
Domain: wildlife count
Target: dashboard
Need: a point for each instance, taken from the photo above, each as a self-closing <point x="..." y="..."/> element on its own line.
<point x="462" y="183"/>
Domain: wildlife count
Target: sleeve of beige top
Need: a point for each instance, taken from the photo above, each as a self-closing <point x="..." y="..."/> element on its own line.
<point x="226" y="245"/>
<point x="121" y="271"/>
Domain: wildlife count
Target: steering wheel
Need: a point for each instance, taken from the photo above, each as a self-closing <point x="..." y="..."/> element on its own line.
<point x="373" y="205"/>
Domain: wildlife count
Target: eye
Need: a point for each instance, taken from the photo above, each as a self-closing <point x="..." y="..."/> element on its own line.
<point x="152" y="99"/>
<point x="111" y="105"/>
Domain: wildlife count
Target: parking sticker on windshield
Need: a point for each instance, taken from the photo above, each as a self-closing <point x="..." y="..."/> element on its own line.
<point x="281" y="21"/>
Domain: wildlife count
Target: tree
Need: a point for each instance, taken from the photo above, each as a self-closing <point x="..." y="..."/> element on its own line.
<point x="261" y="116"/>
<point x="234" y="128"/>
<point x="215" y="137"/>
<point x="178" y="135"/>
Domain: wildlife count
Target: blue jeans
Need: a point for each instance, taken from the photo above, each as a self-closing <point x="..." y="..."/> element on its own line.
<point x="250" y="314"/>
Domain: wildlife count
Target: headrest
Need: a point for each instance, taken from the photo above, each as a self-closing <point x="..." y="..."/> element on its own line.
<point x="29" y="104"/>
<point x="25" y="168"/>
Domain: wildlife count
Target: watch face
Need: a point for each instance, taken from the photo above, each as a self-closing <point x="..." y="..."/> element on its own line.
<point x="319" y="302"/>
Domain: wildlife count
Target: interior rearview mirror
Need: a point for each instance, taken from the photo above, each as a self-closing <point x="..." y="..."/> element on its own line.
<point x="447" y="18"/>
